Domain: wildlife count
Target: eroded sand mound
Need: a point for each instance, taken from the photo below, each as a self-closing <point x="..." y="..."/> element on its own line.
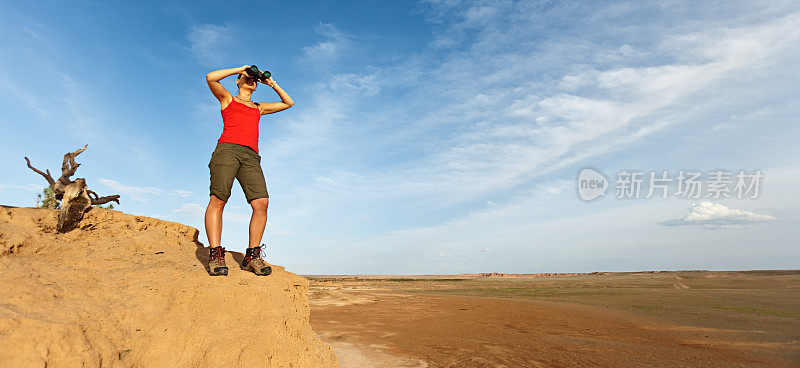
<point x="123" y="291"/>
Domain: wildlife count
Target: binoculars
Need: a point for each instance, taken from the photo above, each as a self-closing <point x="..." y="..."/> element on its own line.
<point x="253" y="72"/>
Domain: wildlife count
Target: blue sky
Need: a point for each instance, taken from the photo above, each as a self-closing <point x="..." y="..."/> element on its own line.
<point x="427" y="137"/>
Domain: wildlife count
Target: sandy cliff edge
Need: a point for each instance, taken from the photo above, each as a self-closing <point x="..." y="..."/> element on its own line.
<point x="124" y="291"/>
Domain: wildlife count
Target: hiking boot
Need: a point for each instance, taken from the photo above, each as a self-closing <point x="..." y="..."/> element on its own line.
<point x="253" y="261"/>
<point x="216" y="262"/>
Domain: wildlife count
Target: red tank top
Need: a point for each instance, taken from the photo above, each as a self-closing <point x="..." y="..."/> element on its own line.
<point x="240" y="125"/>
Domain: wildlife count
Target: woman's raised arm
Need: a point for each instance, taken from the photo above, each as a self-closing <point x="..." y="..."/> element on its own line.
<point x="272" y="107"/>
<point x="214" y="77"/>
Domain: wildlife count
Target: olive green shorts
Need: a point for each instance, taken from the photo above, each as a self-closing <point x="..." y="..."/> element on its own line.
<point x="231" y="161"/>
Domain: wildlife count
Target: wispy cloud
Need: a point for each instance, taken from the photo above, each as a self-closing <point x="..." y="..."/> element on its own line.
<point x="524" y="115"/>
<point x="191" y="209"/>
<point x="135" y="193"/>
<point x="144" y="194"/>
<point x="208" y="43"/>
<point x="30" y="187"/>
<point x="313" y="128"/>
<point x="715" y="216"/>
<point x="181" y="193"/>
<point x="11" y="87"/>
<point x="331" y="48"/>
<point x="514" y="133"/>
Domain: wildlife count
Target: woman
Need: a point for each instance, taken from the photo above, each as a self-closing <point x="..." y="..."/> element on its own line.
<point x="236" y="156"/>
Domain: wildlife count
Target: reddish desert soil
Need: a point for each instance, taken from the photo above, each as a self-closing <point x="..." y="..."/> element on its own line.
<point x="662" y="319"/>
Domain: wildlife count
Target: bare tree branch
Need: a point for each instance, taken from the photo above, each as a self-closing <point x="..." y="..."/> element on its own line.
<point x="46" y="176"/>
<point x="96" y="199"/>
<point x="106" y="199"/>
<point x="101" y="200"/>
<point x="69" y="166"/>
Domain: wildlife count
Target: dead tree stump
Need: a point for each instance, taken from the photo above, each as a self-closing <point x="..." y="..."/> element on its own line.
<point x="75" y="198"/>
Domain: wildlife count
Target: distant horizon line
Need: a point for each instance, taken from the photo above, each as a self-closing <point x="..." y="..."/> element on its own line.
<point x="540" y="274"/>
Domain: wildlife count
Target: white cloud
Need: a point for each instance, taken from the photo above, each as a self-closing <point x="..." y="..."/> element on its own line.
<point x="135" y="193"/>
<point x="365" y="85"/>
<point x="192" y="209"/>
<point x="181" y="193"/>
<point x="142" y="194"/>
<point x="208" y="42"/>
<point x="29" y="187"/>
<point x="714" y="216"/>
<point x="335" y="44"/>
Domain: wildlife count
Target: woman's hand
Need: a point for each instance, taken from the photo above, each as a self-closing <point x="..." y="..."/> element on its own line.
<point x="243" y="70"/>
<point x="269" y="82"/>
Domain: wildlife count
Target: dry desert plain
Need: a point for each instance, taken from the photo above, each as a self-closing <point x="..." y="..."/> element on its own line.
<point x="615" y="319"/>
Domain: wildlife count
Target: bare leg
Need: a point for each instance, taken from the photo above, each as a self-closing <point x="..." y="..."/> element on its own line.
<point x="258" y="221"/>
<point x="214" y="221"/>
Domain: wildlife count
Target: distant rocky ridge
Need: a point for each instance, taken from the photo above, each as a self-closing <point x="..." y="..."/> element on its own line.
<point x="133" y="291"/>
